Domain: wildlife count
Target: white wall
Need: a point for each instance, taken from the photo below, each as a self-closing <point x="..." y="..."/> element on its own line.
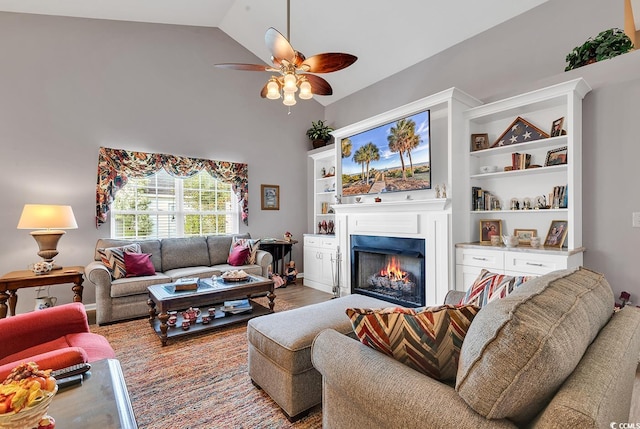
<point x="526" y="53"/>
<point x="69" y="86"/>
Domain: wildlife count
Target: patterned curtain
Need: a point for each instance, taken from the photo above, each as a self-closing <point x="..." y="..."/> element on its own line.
<point x="115" y="166"/>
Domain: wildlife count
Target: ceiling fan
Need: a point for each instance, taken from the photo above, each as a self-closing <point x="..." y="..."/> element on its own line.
<point x="295" y="70"/>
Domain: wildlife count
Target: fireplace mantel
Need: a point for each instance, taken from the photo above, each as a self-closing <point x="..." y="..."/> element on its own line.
<point x="434" y="204"/>
<point x="424" y="218"/>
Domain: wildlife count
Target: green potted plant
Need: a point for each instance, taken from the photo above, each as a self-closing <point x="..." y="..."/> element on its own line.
<point x="319" y="133"/>
<point x="607" y="44"/>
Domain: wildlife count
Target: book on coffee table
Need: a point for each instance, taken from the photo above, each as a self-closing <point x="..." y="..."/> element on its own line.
<point x="190" y="283"/>
<point x="237" y="306"/>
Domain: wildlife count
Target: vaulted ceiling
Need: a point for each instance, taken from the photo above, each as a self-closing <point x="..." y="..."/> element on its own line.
<point x="386" y="36"/>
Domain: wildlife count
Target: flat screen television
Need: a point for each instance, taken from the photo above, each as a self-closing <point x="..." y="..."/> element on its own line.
<point x="392" y="157"/>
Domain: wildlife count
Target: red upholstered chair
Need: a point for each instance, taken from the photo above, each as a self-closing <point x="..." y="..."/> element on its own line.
<point x="54" y="338"/>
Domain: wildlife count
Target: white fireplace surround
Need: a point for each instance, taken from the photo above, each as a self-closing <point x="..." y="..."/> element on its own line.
<point x="426" y="219"/>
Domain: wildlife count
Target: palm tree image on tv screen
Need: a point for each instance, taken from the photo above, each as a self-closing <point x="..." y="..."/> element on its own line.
<point x="392" y="157"/>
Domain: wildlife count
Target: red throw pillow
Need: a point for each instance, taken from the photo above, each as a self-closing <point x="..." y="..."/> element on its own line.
<point x="238" y="256"/>
<point x="138" y="264"/>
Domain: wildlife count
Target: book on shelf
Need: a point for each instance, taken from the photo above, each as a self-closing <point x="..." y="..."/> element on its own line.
<point x="482" y="199"/>
<point x="520" y="161"/>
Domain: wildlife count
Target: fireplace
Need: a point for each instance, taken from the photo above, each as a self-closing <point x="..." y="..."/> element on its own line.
<point x="389" y="268"/>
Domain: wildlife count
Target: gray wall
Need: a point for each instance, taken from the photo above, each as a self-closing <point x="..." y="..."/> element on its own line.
<point x="69" y="86"/>
<point x="526" y="53"/>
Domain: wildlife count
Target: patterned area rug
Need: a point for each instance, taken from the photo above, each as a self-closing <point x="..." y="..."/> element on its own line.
<point x="196" y="382"/>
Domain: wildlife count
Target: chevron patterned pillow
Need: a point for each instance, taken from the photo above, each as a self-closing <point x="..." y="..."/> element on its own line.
<point x="428" y="341"/>
<point x="489" y="286"/>
<point x="113" y="258"/>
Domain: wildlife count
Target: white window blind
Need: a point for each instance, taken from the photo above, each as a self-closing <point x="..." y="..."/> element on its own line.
<point x="163" y="206"/>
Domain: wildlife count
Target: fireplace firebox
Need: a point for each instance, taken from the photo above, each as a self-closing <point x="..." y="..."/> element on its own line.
<point x="389" y="268"/>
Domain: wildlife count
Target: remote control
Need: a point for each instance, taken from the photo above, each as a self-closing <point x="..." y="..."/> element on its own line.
<point x="80" y="368"/>
<point x="73" y="380"/>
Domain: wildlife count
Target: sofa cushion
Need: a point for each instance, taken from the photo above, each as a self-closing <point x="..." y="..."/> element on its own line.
<point x="131" y="286"/>
<point x="184" y="252"/>
<point x="521" y="348"/>
<point x="428" y="341"/>
<point x="113" y="258"/>
<point x="219" y="246"/>
<point x="238" y="255"/>
<point x="247" y="243"/>
<point x="138" y="264"/>
<point x="489" y="286"/>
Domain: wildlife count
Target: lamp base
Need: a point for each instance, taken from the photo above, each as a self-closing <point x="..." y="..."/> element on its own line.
<point x="47" y="242"/>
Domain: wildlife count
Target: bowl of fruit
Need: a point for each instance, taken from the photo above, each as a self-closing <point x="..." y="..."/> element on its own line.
<point x="25" y="396"/>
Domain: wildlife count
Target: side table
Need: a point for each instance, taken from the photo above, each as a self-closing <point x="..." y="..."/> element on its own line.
<point x="11" y="282"/>
<point x="278" y="249"/>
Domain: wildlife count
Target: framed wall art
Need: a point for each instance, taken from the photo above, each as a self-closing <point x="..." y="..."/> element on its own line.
<point x="479" y="142"/>
<point x="520" y="131"/>
<point x="490" y="228"/>
<point x="556" y="157"/>
<point x="557" y="233"/>
<point x="556" y="127"/>
<point x="524" y="236"/>
<point x="270" y="197"/>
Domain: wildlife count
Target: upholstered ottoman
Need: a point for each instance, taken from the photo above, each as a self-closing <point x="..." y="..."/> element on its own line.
<point x="280" y="350"/>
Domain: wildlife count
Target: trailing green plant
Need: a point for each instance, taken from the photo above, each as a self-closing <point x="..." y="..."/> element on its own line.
<point x="319" y="131"/>
<point x="607" y="44"/>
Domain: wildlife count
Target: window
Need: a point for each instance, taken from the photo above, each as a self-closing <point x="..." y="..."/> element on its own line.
<point x="163" y="206"/>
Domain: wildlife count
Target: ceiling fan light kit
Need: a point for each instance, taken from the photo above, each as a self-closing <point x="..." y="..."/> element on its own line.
<point x="295" y="70"/>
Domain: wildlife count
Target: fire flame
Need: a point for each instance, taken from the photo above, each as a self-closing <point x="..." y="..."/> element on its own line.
<point x="393" y="271"/>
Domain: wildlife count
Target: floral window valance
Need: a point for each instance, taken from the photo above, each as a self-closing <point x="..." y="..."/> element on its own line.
<point x="115" y="166"/>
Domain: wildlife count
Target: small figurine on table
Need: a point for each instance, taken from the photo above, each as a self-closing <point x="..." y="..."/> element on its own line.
<point x="291" y="273"/>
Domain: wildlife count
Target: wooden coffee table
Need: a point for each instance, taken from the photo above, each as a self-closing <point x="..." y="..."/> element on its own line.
<point x="211" y="292"/>
<point x="102" y="401"/>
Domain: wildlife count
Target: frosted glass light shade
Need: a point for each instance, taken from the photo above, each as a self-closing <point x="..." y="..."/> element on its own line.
<point x="273" y="90"/>
<point x="305" y="90"/>
<point x="289" y="99"/>
<point x="290" y="83"/>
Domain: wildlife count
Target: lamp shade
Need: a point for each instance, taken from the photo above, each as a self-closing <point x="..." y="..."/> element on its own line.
<point x="43" y="216"/>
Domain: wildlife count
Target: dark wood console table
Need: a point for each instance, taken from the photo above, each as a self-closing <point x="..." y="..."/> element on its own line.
<point x="279" y="250"/>
<point x="11" y="282"/>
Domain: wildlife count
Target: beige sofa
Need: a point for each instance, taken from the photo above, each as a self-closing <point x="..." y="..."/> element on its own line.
<point x="550" y="355"/>
<point x="172" y="258"/>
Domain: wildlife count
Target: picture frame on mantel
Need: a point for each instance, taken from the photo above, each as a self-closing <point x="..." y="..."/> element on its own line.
<point x="270" y="197"/>
<point x="557" y="233"/>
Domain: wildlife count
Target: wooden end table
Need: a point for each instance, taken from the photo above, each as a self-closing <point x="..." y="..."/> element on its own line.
<point x="11" y="282"/>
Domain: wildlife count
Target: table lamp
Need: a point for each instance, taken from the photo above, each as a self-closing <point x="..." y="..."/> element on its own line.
<point x="48" y="221"/>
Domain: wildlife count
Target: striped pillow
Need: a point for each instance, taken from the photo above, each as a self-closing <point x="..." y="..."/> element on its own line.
<point x="113" y="258"/>
<point x="252" y="245"/>
<point x="428" y="341"/>
<point x="490" y="286"/>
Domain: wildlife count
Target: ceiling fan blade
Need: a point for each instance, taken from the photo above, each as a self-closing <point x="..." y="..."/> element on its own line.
<point x="319" y="86"/>
<point x="263" y="91"/>
<point x="279" y="46"/>
<point x="246" y="67"/>
<point x="328" y="62"/>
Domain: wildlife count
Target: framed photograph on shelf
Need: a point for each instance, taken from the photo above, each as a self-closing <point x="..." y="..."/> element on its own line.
<point x="524" y="236"/>
<point x="270" y="197"/>
<point x="556" y="157"/>
<point x="490" y="228"/>
<point x="479" y="142"/>
<point x="556" y="127"/>
<point x="557" y="233"/>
